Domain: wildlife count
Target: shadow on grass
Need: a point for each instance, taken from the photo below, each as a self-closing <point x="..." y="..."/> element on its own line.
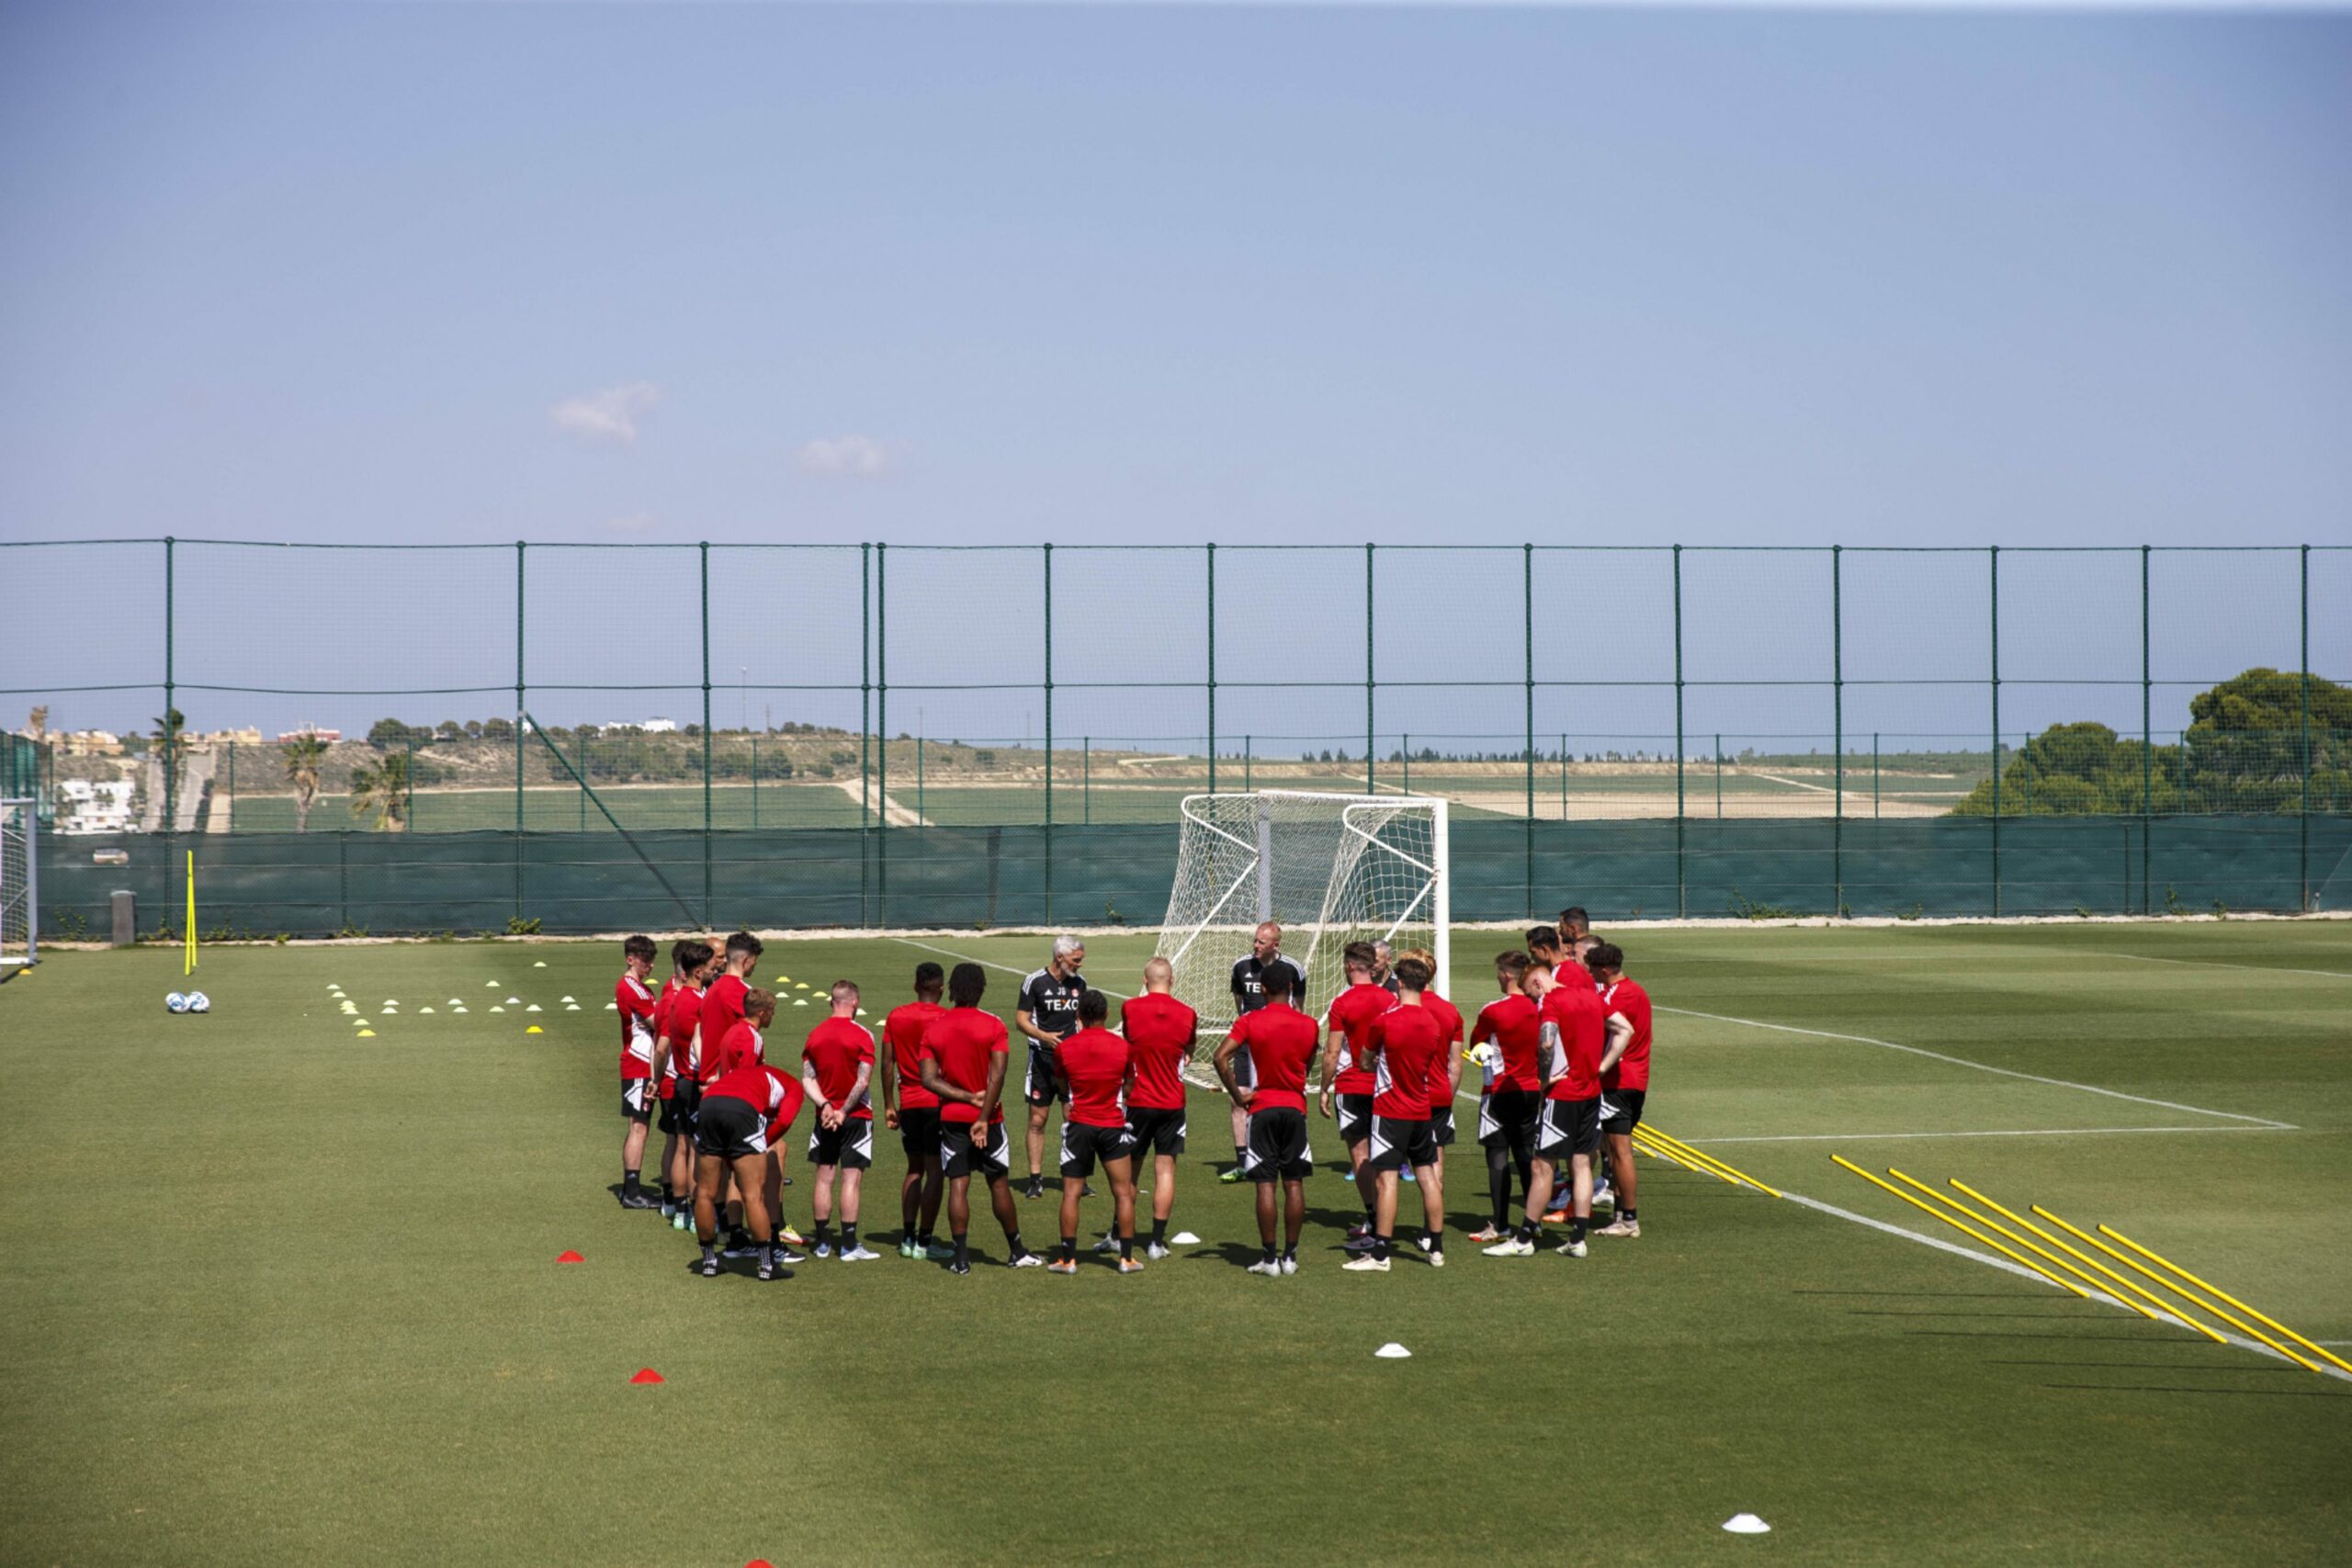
<point x="2167" y="1388"/>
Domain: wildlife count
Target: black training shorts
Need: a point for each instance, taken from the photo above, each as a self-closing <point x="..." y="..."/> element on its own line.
<point x="1083" y="1144"/>
<point x="1441" y="1124"/>
<point x="961" y="1152"/>
<point x="1160" y="1132"/>
<point x="1355" y="1117"/>
<point x="726" y="1128"/>
<point x="919" y="1134"/>
<point x="1277" y="1149"/>
<point x="1567" y="1127"/>
<point x="1044" y="1085"/>
<point x="1620" y="1110"/>
<point x="849" y="1145"/>
<point x="1395" y="1145"/>
<point x="1507" y="1119"/>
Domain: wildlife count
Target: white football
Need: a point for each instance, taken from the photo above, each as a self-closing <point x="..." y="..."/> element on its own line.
<point x="175" y="1002"/>
<point x="198" y="1002"/>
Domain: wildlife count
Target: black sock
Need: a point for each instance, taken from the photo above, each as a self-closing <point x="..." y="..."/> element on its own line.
<point x="1290" y="1252"/>
<point x="1437" y="1242"/>
<point x="629" y="1187"/>
<point x="709" y="1249"/>
<point x="1270" y="1252"/>
<point x="963" y="1248"/>
<point x="1158" y="1233"/>
<point x="849" y="1236"/>
<point x="922" y="1239"/>
<point x="824" y="1228"/>
<point x="1625" y="1214"/>
<point x="1529" y="1231"/>
<point x="1371" y="1217"/>
<point x="1576" y="1230"/>
<point x="1013" y="1243"/>
<point x="1070" y="1249"/>
<point x="1380" y="1248"/>
<point x="1128" y="1247"/>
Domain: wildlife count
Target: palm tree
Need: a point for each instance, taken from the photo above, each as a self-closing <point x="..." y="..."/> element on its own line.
<point x="382" y="788"/>
<point x="304" y="755"/>
<point x="170" y="751"/>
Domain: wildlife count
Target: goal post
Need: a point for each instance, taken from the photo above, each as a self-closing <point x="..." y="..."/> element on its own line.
<point x="19" y="885"/>
<point x="1331" y="869"/>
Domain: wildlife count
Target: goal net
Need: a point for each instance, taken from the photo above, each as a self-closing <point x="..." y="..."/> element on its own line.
<point x="19" y="900"/>
<point x="1331" y="869"/>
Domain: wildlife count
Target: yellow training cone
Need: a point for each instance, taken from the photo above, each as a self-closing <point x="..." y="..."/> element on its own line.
<point x="534" y="1029"/>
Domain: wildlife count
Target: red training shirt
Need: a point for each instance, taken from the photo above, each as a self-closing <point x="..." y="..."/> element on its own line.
<point x="1095" y="1061"/>
<point x="1352" y="1013"/>
<point x="961" y="1041"/>
<point x="1629" y="1001"/>
<point x="903" y="1030"/>
<point x="1281" y="1040"/>
<point x="722" y="1010"/>
<point x="1160" y="1032"/>
<point x="1574" y="1066"/>
<point x="837" y="1048"/>
<point x="1449" y="1019"/>
<point x="1516" y="1027"/>
<point x="740" y="1046"/>
<point x="686" y="1018"/>
<point x="1405" y="1040"/>
<point x="635" y="1004"/>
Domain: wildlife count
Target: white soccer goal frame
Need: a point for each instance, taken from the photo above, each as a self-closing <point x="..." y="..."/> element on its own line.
<point x="1256" y="879"/>
<point x="19" y="883"/>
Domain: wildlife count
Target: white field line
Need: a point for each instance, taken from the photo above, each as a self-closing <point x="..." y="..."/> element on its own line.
<point x="1792" y="784"/>
<point x="1994" y="1133"/>
<point x="2006" y="1267"/>
<point x="2217" y="963"/>
<point x="1985" y="1068"/>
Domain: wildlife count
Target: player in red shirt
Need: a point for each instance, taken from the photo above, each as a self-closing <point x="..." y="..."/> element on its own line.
<point x="680" y="1004"/>
<point x="1506" y="1041"/>
<point x="837" y="1069"/>
<point x="1580" y="1042"/>
<point x="1093" y="1063"/>
<point x="1405" y="1044"/>
<point x="1627" y="1085"/>
<point x="913" y="1110"/>
<point x="746" y="1110"/>
<point x="1280" y="1041"/>
<point x="1445" y="1079"/>
<point x="1160" y="1033"/>
<point x="722" y="1003"/>
<point x="962" y="1059"/>
<point x="633" y="1000"/>
<point x="1349" y="1024"/>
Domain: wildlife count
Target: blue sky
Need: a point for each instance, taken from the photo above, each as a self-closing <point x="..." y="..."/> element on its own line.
<point x="654" y="273"/>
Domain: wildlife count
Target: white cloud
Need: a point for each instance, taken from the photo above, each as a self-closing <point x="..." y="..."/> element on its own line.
<point x="611" y="415"/>
<point x="845" y="456"/>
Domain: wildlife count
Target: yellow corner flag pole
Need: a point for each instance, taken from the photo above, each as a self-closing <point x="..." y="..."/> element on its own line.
<point x="189" y="966"/>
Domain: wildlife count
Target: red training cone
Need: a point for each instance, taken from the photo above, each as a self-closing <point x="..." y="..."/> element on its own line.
<point x="759" y="1562"/>
<point x="570" y="1258"/>
<point x="646" y="1374"/>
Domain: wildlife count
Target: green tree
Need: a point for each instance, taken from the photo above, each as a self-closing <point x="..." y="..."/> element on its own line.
<point x="380" y="790"/>
<point x="392" y="732"/>
<point x="303" y="757"/>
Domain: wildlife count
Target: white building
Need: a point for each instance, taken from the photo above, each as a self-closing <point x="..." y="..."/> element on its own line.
<point x="93" y="807"/>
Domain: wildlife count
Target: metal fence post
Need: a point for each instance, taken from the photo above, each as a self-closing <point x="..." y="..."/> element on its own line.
<point x="1995" y="559"/>
<point x="1564" y="776"/>
<point x="1370" y="786"/>
<point x="521" y="706"/>
<point x="1837" y="731"/>
<point x="920" y="813"/>
<point x="2304" y="858"/>
<point x="1719" y="777"/>
<point x="1086" y="778"/>
<point x="882" y="725"/>
<point x="865" y="726"/>
<point x="1527" y="630"/>
<point x="1681" y="873"/>
<point x="1049" y="554"/>
<point x="705" y="739"/>
<point x="580" y="744"/>
<point x="1245" y="765"/>
<point x="1212" y="647"/>
<point x="2147" y="737"/>
<point x="1873" y="775"/>
<point x="170" y="732"/>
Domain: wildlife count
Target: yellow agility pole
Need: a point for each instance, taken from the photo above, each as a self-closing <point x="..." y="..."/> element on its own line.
<point x="2202" y="1304"/>
<point x="188" y="956"/>
<point x="1677" y="1144"/>
<point x="1652" y="1146"/>
<point x="2000" y="1230"/>
<point x="2164" y="1307"/>
<point x="1968" y="1229"/>
<point x="2315" y="1349"/>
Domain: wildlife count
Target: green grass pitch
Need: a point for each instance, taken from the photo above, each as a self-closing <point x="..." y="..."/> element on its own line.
<point x="270" y="1294"/>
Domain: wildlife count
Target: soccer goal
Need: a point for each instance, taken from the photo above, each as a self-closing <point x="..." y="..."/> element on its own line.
<point x="19" y="886"/>
<point x="1332" y="868"/>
